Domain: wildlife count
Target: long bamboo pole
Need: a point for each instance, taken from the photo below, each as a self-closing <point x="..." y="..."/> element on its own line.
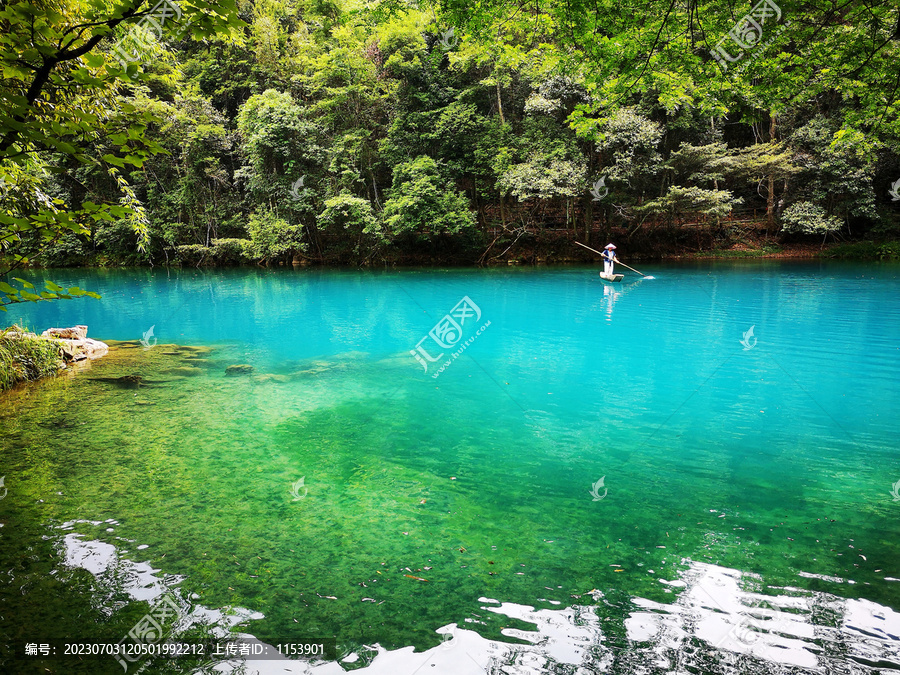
<point x="621" y="263"/>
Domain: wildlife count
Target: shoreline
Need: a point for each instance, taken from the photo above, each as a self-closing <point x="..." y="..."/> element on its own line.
<point x="542" y="254"/>
<point x="26" y="356"/>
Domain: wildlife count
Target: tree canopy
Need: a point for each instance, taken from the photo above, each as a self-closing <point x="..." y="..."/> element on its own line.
<point x="285" y="130"/>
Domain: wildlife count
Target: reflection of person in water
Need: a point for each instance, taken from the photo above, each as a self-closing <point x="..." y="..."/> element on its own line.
<point x="613" y="292"/>
<point x="610" y="295"/>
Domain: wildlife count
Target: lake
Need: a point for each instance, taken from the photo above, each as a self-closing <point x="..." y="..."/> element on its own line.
<point x="467" y="470"/>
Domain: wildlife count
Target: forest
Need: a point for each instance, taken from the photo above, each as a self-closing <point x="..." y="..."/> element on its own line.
<point x="324" y="132"/>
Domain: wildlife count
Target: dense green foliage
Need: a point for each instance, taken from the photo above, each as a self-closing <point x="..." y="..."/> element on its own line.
<point x="69" y="129"/>
<point x="285" y="130"/>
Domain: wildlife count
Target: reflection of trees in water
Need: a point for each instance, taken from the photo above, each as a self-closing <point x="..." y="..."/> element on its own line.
<point x="45" y="598"/>
<point x="62" y="585"/>
<point x="713" y="627"/>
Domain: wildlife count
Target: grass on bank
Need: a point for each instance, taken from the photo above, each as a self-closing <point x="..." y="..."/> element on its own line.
<point x="23" y="357"/>
<point x="865" y="250"/>
<point x="761" y="252"/>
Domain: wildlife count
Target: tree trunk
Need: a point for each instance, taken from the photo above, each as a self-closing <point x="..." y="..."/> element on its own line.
<point x="500" y="103"/>
<point x="770" y="199"/>
<point x="588" y="217"/>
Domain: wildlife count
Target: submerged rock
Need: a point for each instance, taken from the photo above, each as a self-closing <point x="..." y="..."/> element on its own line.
<point x="195" y="350"/>
<point x="186" y="371"/>
<point x="126" y="381"/>
<point x="239" y="369"/>
<point x="270" y="377"/>
<point x="304" y="373"/>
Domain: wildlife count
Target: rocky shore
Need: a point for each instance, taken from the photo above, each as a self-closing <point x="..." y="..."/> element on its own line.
<point x="26" y="356"/>
<point x="74" y="343"/>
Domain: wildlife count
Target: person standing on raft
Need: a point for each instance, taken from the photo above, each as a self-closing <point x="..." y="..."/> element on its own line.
<point x="609" y="259"/>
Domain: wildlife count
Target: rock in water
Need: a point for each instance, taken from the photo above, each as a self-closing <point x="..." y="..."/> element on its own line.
<point x="74" y="333"/>
<point x="125" y="382"/>
<point x="74" y="343"/>
<point x="240" y="369"/>
<point x="78" y="350"/>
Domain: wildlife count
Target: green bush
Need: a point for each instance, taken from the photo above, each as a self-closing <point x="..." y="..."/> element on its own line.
<point x="272" y="237"/>
<point x="865" y="250"/>
<point x="683" y="200"/>
<point x="116" y="238"/>
<point x="229" y="251"/>
<point x="348" y="212"/>
<point x="807" y="218"/>
<point x="25" y="357"/>
<point x="423" y="203"/>
<point x="354" y="215"/>
<point x="193" y="254"/>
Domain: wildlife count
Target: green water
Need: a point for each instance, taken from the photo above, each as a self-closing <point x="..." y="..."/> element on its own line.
<point x="774" y="456"/>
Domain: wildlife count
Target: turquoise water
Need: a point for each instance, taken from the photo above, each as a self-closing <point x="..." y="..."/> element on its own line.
<point x="769" y="457"/>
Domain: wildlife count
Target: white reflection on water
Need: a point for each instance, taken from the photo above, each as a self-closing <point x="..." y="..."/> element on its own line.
<point x="714" y="625"/>
<point x="790" y="627"/>
<point x="142" y="582"/>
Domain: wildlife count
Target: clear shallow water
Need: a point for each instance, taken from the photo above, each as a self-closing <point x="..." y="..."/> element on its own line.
<point x="771" y="466"/>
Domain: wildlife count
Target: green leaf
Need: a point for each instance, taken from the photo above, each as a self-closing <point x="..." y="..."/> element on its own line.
<point x="94" y="60"/>
<point x="115" y="161"/>
<point x="24" y="283"/>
